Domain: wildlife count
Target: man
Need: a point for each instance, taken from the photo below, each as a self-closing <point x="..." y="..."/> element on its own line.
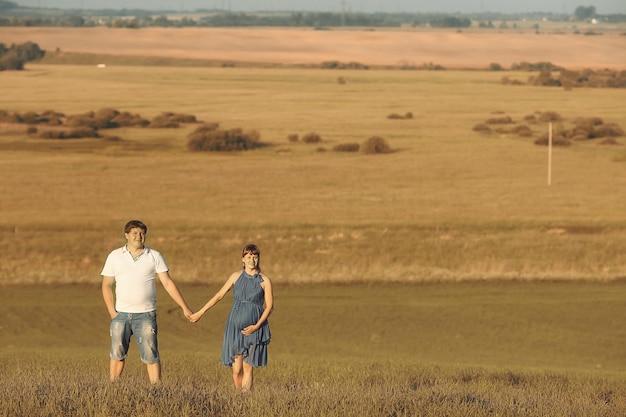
<point x="132" y="269"/>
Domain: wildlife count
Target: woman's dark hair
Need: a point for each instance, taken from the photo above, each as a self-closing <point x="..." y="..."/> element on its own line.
<point x="254" y="250"/>
<point x="135" y="223"/>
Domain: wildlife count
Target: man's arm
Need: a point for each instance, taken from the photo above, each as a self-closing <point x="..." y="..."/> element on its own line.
<point x="107" y="295"/>
<point x="172" y="290"/>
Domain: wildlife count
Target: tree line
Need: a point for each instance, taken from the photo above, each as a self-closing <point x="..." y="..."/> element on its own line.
<point x="12" y="14"/>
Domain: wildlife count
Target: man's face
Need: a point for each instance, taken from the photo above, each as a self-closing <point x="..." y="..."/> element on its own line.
<point x="135" y="238"/>
<point x="251" y="261"/>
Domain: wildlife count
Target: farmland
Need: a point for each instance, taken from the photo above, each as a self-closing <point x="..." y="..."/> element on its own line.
<point x="444" y="277"/>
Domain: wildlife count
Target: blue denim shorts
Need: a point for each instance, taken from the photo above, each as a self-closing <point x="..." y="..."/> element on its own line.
<point x="141" y="325"/>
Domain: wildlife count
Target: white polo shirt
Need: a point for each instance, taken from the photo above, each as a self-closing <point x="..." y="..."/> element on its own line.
<point x="135" y="289"/>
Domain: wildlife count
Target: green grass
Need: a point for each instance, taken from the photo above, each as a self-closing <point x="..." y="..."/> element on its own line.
<point x="456" y="349"/>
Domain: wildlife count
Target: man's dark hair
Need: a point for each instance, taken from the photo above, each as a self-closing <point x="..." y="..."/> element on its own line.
<point x="135" y="223"/>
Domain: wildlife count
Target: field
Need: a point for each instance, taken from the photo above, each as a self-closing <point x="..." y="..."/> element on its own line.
<point x="446" y="277"/>
<point x="458" y="349"/>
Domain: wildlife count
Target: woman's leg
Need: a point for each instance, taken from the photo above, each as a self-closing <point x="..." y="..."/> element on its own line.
<point x="237" y="367"/>
<point x="246" y="382"/>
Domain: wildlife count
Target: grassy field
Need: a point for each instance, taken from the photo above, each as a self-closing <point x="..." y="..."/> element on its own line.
<point x="448" y="204"/>
<point x="457" y="349"/>
<point x="475" y="288"/>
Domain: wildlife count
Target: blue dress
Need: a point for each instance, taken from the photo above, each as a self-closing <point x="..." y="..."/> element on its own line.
<point x="248" y="306"/>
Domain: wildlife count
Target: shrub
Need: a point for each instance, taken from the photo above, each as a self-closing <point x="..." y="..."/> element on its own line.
<point x="211" y="138"/>
<point x="311" y="137"/>
<point x="557" y="140"/>
<point x="538" y="66"/>
<point x="82" y="132"/>
<point x="77" y="133"/>
<point x="51" y="118"/>
<point x="609" y="141"/>
<point x="165" y="120"/>
<point x="10" y="117"/>
<point x="495" y="67"/>
<point x="106" y="113"/>
<point x="607" y="130"/>
<point x="375" y="144"/>
<point x="346" y="147"/>
<point x="407" y="115"/>
<point x="30" y="118"/>
<point x="32" y="130"/>
<point x="86" y="119"/>
<point x="293" y="137"/>
<point x="500" y="120"/>
<point x="530" y="118"/>
<point x="112" y="138"/>
<point x="130" y="120"/>
<point x="183" y="118"/>
<point x="482" y="128"/>
<point x="549" y="116"/>
<point x="522" y="130"/>
<point x="342" y="65"/>
<point x="16" y="56"/>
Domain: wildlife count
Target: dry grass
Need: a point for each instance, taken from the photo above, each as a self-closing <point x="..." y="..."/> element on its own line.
<point x="464" y="201"/>
<point x="408" y="48"/>
<point x="448" y="203"/>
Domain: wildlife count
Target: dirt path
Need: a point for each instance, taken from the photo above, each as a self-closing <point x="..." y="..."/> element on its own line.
<point x="448" y="48"/>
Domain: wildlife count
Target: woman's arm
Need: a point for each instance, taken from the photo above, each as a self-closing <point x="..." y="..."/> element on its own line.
<point x="217" y="297"/>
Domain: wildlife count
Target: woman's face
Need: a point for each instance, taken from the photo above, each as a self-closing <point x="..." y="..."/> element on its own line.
<point x="250" y="261"/>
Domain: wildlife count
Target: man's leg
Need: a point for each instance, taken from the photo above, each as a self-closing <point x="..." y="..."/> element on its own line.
<point x="115" y="369"/>
<point x="120" y="338"/>
<point x="144" y="327"/>
<point x="154" y="372"/>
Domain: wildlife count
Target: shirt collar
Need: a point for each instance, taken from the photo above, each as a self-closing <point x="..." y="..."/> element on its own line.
<point x="125" y="249"/>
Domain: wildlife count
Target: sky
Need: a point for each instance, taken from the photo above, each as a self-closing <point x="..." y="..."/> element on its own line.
<point x="364" y="6"/>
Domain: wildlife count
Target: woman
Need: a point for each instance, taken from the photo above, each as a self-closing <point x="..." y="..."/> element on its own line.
<point x="247" y="331"/>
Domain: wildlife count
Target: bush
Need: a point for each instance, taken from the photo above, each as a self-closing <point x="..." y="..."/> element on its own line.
<point x="16" y="56"/>
<point x="557" y="140"/>
<point x="375" y="144"/>
<point x="311" y="137"/>
<point x="209" y="137"/>
<point x="500" y="120"/>
<point x="79" y="120"/>
<point x="482" y="128"/>
<point x="522" y="130"/>
<point x="346" y="147"/>
<point x="607" y="130"/>
<point x="609" y="141"/>
<point x="549" y="116"/>
<point x="78" y="133"/>
<point x="130" y="120"/>
<point x="165" y="121"/>
<point x="293" y="137"/>
<point x="407" y="115"/>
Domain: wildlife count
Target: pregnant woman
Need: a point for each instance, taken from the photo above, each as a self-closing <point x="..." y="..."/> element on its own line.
<point x="247" y="331"/>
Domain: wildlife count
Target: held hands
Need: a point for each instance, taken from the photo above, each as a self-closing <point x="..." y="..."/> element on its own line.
<point x="188" y="313"/>
<point x="194" y="318"/>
